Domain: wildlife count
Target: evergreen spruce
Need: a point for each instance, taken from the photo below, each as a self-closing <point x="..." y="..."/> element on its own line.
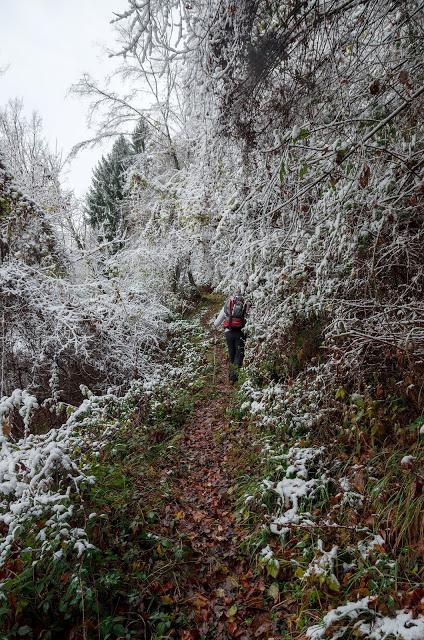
<point x="139" y="136"/>
<point x="105" y="199"/>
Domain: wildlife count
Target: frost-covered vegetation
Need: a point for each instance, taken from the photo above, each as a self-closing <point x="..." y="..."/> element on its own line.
<point x="72" y="499"/>
<point x="282" y="147"/>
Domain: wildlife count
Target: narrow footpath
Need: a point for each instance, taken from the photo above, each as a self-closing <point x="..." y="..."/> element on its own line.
<point x="221" y="595"/>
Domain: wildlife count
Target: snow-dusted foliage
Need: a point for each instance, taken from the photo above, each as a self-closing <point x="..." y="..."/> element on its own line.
<point x="305" y="166"/>
<point x="65" y="320"/>
<point x="293" y="134"/>
<point x="325" y="225"/>
<point x="37" y="477"/>
<point x="364" y="622"/>
<point x="26" y="232"/>
<point x="42" y="476"/>
<point x="295" y="486"/>
<point x="282" y="147"/>
<point x="319" y="206"/>
<point x="35" y="169"/>
<point x="98" y="332"/>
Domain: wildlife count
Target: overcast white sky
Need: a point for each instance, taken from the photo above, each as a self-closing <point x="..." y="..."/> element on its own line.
<point x="47" y="45"/>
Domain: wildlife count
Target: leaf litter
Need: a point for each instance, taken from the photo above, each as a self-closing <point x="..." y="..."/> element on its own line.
<point x="218" y="595"/>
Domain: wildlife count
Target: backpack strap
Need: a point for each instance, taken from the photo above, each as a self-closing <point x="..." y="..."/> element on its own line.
<point x="229" y="306"/>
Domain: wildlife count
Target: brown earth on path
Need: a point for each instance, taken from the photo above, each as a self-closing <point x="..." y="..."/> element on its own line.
<point x="220" y="595"/>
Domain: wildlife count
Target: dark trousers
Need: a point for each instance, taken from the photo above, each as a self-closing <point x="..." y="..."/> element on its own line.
<point x="235" y="342"/>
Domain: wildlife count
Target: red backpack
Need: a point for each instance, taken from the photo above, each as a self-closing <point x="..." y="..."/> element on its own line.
<point x="235" y="312"/>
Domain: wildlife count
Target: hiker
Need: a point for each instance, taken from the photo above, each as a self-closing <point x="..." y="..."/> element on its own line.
<point x="233" y="314"/>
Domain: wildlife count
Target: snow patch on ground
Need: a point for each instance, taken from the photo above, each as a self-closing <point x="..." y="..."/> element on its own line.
<point x="355" y="616"/>
<point x="323" y="565"/>
<point x="294" y="487"/>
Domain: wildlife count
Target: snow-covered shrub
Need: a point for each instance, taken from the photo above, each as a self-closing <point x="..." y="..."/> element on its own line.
<point x="39" y="479"/>
<point x="36" y="170"/>
<point x="59" y="334"/>
<point x="26" y="231"/>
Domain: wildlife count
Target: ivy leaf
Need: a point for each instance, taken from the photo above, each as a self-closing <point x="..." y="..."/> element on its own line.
<point x="273" y="568"/>
<point x="299" y="572"/>
<point x="167" y="599"/>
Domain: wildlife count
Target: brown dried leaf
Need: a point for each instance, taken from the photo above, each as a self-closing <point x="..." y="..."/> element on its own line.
<point x="199" y="601"/>
<point x="404" y="79"/>
<point x="365" y="176"/>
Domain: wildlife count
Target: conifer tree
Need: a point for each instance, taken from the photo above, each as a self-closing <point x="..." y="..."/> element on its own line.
<point x="139" y="136"/>
<point x="105" y="199"/>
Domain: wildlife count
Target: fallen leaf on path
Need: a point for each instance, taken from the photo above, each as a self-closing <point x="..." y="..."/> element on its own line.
<point x="167" y="599"/>
<point x="199" y="601"/>
<point x="264" y="628"/>
<point x="188" y="635"/>
<point x="198" y="515"/>
<point x="232" y="582"/>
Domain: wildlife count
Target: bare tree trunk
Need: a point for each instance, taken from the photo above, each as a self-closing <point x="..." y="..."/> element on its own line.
<point x="191" y="279"/>
<point x="176" y="277"/>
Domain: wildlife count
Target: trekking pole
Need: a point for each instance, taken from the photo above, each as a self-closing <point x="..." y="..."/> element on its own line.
<point x="214" y="360"/>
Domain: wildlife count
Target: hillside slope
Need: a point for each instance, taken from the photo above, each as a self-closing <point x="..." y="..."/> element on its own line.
<point x="187" y="509"/>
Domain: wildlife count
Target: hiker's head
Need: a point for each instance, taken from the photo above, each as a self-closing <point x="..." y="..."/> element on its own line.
<point x="241" y="289"/>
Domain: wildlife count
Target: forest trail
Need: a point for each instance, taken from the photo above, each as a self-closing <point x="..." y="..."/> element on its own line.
<point x="219" y="595"/>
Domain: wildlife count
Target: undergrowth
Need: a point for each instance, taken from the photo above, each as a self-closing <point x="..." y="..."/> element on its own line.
<point x="353" y="533"/>
<point x="113" y="588"/>
<point x="358" y="529"/>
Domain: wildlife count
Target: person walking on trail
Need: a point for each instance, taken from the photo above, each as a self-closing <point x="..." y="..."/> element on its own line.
<point x="233" y="315"/>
